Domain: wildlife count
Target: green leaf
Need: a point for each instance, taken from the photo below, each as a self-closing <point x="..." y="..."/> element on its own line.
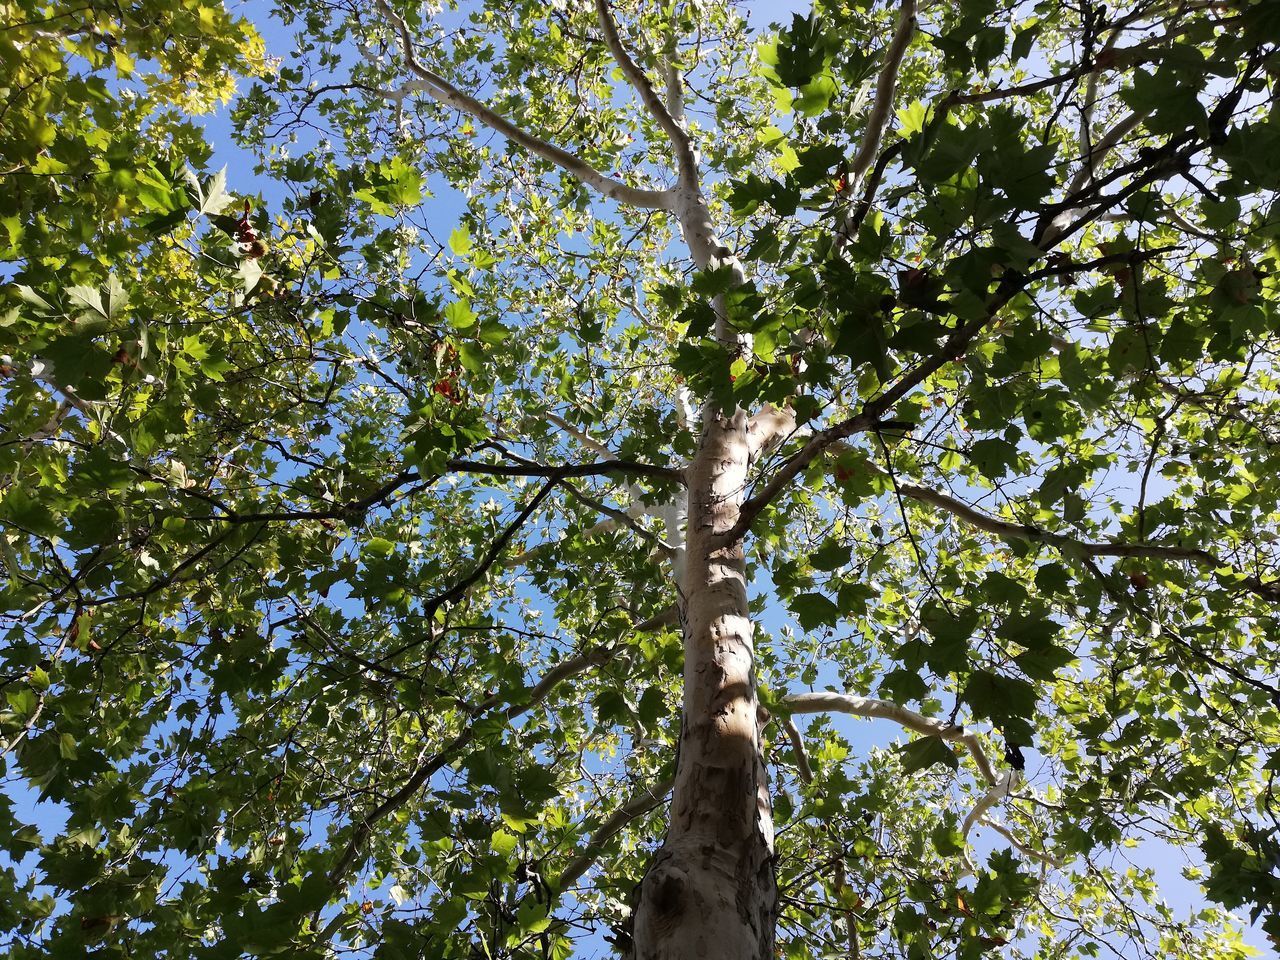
<point x="925" y="752"/>
<point x="532" y="917"/>
<point x="88" y="298"/>
<point x="1023" y="40"/>
<point x="1053" y="578"/>
<point x="460" y="241"/>
<point x="33" y="298"/>
<point x="22" y="701"/>
<point x="1042" y="663"/>
<point x="903" y="686"/>
<point x="993" y="457"/>
<point x="116" y="297"/>
<point x="1007" y="701"/>
<point x="460" y="315"/>
<point x="214" y="197"/>
<point x="379" y="547"/>
<point x="814" y="610"/>
<point x="947" y="838"/>
<point x="815" y="96"/>
<point x="911" y="119"/>
<point x="950" y="630"/>
<point x="504" y="844"/>
<point x="832" y="555"/>
<point x="862" y="339"/>
<point x="1129" y="350"/>
<point x="1029" y="630"/>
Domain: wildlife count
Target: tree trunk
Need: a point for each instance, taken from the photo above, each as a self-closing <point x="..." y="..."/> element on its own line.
<point x="710" y="891"/>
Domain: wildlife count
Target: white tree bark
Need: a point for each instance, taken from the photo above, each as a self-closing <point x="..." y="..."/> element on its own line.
<point x="710" y="891"/>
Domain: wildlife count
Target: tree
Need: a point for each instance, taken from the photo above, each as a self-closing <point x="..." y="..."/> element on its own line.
<point x="370" y="590"/>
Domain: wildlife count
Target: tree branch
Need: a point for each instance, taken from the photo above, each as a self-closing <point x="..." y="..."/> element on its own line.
<point x="1120" y="59"/>
<point x="441" y="90"/>
<point x="625" y="519"/>
<point x="599" y="468"/>
<point x="886" y="88"/>
<point x="686" y="161"/>
<point x="790" y="469"/>
<point x="1106" y="143"/>
<point x="637" y="806"/>
<point x="597" y="656"/>
<point x="456" y="591"/>
<point x="998" y="788"/>
<point x="1122" y="599"/>
<point x="954" y="347"/>
<point x="827" y="702"/>
<point x="1167" y="159"/>
<point x="1018" y="531"/>
<point x="460" y="587"/>
<point x="1061" y="224"/>
<point x="997" y="791"/>
<point x="1022" y="847"/>
<point x="803" y="770"/>
<point x="590" y="533"/>
<point x="863" y="208"/>
<point x="584" y="438"/>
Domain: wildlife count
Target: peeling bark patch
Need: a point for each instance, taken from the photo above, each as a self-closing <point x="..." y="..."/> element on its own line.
<point x="668" y="895"/>
<point x="728" y="699"/>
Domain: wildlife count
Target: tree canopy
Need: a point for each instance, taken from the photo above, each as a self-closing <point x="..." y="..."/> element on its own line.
<point x="463" y="525"/>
